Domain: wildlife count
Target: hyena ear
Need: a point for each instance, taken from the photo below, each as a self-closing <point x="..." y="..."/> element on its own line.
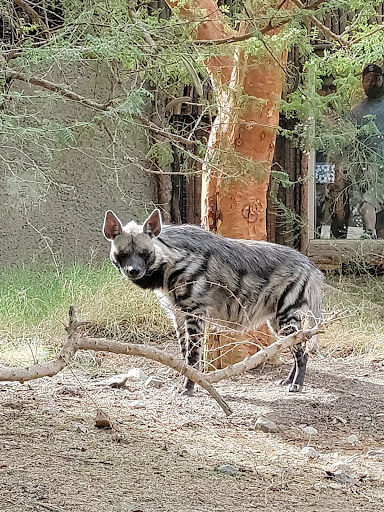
<point x="152" y="226"/>
<point x="112" y="226"/>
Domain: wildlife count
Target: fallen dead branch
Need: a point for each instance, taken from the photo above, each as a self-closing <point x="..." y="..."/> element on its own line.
<point x="77" y="342"/>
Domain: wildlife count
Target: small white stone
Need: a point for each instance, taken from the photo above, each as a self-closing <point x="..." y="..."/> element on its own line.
<point x="311" y="431"/>
<point x="81" y="429"/>
<point x="154" y="382"/>
<point x="374" y="453"/>
<point x="310" y="452"/>
<point x="227" y="469"/>
<point x="265" y="425"/>
<point x="117" y="381"/>
<point x="334" y="485"/>
<point x="352" y="439"/>
<point x="137" y="404"/>
<point x="341" y="466"/>
<point x="139" y="422"/>
<point x="136" y="375"/>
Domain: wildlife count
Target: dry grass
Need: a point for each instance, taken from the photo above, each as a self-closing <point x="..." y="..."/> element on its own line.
<point x="362" y="331"/>
<point x="34" y="309"/>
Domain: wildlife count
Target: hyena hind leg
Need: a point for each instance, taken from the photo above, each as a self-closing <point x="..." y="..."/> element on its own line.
<point x="295" y="379"/>
<point x="195" y="333"/>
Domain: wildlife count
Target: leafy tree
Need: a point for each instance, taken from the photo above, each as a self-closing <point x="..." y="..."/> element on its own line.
<point x="150" y="53"/>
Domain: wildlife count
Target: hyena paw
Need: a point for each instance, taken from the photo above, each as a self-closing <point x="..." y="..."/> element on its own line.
<point x="294" y="388"/>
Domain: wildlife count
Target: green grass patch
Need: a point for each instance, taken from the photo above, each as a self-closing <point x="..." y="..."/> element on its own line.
<point x="34" y="306"/>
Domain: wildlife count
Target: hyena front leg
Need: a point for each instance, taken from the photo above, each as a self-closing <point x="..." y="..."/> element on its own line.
<point x="180" y="328"/>
<point x="195" y="333"/>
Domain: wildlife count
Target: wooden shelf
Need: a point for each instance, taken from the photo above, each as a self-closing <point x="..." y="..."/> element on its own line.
<point x="333" y="254"/>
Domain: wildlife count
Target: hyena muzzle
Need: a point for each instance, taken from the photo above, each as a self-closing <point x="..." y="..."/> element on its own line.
<point x="199" y="276"/>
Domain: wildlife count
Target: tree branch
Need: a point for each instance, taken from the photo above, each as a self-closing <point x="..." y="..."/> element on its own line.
<point x="267" y="28"/>
<point x="326" y="31"/>
<point x="131" y="349"/>
<point x="263" y="355"/>
<point x="67" y="93"/>
<point x="146" y="35"/>
<point x="358" y="39"/>
<point x="76" y="342"/>
<point x="33" y="14"/>
<point x="59" y="89"/>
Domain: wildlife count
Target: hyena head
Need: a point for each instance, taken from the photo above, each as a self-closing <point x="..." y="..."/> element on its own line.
<point x="132" y="248"/>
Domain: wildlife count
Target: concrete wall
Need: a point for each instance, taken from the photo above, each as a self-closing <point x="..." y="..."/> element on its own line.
<point x="53" y="197"/>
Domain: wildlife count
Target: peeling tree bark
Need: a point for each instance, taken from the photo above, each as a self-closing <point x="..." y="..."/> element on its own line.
<point x="242" y="140"/>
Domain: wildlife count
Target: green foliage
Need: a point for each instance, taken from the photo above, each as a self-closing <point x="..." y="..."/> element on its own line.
<point x="161" y="153"/>
<point x="149" y="57"/>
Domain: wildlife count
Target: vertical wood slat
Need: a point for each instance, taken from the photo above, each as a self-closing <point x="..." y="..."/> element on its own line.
<point x="304" y="239"/>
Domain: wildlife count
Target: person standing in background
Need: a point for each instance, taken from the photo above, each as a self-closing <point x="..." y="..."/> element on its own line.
<point x="372" y="168"/>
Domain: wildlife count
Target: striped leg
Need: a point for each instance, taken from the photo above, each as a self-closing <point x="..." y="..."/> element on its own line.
<point x="182" y="337"/>
<point x="195" y="333"/>
<point x="295" y="379"/>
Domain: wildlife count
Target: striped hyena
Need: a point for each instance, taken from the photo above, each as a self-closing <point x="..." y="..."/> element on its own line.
<point x="199" y="276"/>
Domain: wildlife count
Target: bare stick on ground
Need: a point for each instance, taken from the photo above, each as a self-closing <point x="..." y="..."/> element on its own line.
<point x="76" y="342"/>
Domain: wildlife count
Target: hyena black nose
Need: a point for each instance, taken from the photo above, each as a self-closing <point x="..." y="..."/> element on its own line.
<point x="133" y="271"/>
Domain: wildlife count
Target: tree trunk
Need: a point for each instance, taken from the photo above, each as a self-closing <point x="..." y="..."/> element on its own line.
<point x="240" y="151"/>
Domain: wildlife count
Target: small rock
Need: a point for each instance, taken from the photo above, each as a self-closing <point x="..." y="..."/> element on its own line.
<point x="334" y="485"/>
<point x="374" y="453"/>
<point x="352" y="440"/>
<point x="136" y="404"/>
<point x="136" y="375"/>
<point x="81" y="429"/>
<point x="51" y="410"/>
<point x="342" y="477"/>
<point x="154" y="382"/>
<point x="341" y="466"/>
<point x="320" y="485"/>
<point x="102" y="419"/>
<point x="265" y="425"/>
<point x="139" y="421"/>
<point x="184" y="452"/>
<point x="311" y="431"/>
<point x="227" y="469"/>
<point x="310" y="452"/>
<point x="117" y="381"/>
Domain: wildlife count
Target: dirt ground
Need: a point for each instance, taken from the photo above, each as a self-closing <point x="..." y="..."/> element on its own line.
<point x="164" y="450"/>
